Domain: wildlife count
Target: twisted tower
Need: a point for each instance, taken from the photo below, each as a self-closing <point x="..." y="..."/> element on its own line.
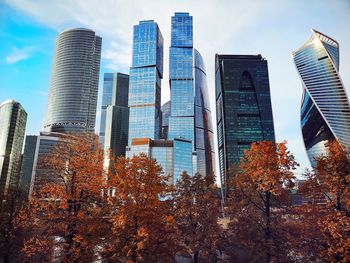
<point x="325" y="110"/>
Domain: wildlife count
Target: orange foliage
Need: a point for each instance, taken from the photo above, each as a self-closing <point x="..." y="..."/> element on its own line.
<point x="64" y="219"/>
<point x="327" y="215"/>
<point x="142" y="225"/>
<point x="196" y="211"/>
<point x="258" y="200"/>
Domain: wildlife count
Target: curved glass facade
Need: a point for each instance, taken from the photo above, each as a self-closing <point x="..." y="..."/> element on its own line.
<point x="204" y="136"/>
<point x="73" y="92"/>
<point x="325" y="111"/>
<point x="243" y="107"/>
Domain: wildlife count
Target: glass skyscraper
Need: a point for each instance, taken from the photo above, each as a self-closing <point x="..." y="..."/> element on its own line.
<point x="146" y="73"/>
<point x="243" y="107"/>
<point x="114" y="123"/>
<point x="325" y="110"/>
<point x="13" y="119"/>
<point x="190" y="117"/>
<point x="204" y="135"/>
<point x="74" y="83"/>
<point x="186" y="126"/>
<point x="181" y="120"/>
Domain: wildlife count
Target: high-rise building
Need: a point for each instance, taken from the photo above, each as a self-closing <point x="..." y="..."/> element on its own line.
<point x="186" y="118"/>
<point x="190" y="117"/>
<point x="181" y="78"/>
<point x="73" y="92"/>
<point x="115" y="113"/>
<point x="325" y="110"/>
<point x="13" y="119"/>
<point x="28" y="161"/>
<point x="204" y="135"/>
<point x="33" y="174"/>
<point x="146" y="73"/>
<point x="71" y="103"/>
<point x="243" y="107"/>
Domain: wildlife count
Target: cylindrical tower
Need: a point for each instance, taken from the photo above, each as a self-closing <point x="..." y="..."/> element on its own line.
<point x="74" y="83"/>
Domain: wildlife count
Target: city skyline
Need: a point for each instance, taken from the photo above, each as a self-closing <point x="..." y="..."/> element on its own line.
<point x="286" y="95"/>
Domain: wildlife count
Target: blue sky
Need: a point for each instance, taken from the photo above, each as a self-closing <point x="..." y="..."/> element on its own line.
<point x="272" y="28"/>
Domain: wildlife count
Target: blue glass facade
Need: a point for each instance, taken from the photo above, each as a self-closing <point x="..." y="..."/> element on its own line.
<point x="181" y="121"/>
<point x="186" y="118"/>
<point x="145" y="82"/>
<point x="166" y="107"/>
<point x="243" y="107"/>
<point x="190" y="117"/>
<point x="325" y="110"/>
<point x="182" y="158"/>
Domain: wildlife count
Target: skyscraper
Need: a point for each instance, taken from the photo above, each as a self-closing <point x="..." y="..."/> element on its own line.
<point x="13" y="119"/>
<point x="190" y="117"/>
<point x="33" y="175"/>
<point x="115" y="113"/>
<point x="181" y="120"/>
<point x="325" y="110"/>
<point x="74" y="83"/>
<point x="28" y="162"/>
<point x="71" y="103"/>
<point x="243" y="107"/>
<point x="186" y="130"/>
<point x="204" y="135"/>
<point x="146" y="73"/>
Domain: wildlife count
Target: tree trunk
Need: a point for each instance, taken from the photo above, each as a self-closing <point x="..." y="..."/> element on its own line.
<point x="195" y="257"/>
<point x="268" y="227"/>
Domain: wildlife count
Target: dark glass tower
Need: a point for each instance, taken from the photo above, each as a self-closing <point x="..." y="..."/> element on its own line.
<point x="115" y="113"/>
<point x="13" y="119"/>
<point x="325" y="110"/>
<point x="243" y="107"/>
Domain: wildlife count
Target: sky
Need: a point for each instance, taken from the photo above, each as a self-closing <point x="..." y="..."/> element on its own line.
<point x="272" y="28"/>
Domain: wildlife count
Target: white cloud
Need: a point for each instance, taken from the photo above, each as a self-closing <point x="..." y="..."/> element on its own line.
<point x="41" y="93"/>
<point x="19" y="54"/>
<point x="118" y="57"/>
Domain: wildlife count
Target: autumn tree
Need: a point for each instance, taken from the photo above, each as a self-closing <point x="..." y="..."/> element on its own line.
<point x="10" y="238"/>
<point x="64" y="219"/>
<point x="326" y="215"/>
<point x="257" y="203"/>
<point x="196" y="214"/>
<point x="142" y="226"/>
